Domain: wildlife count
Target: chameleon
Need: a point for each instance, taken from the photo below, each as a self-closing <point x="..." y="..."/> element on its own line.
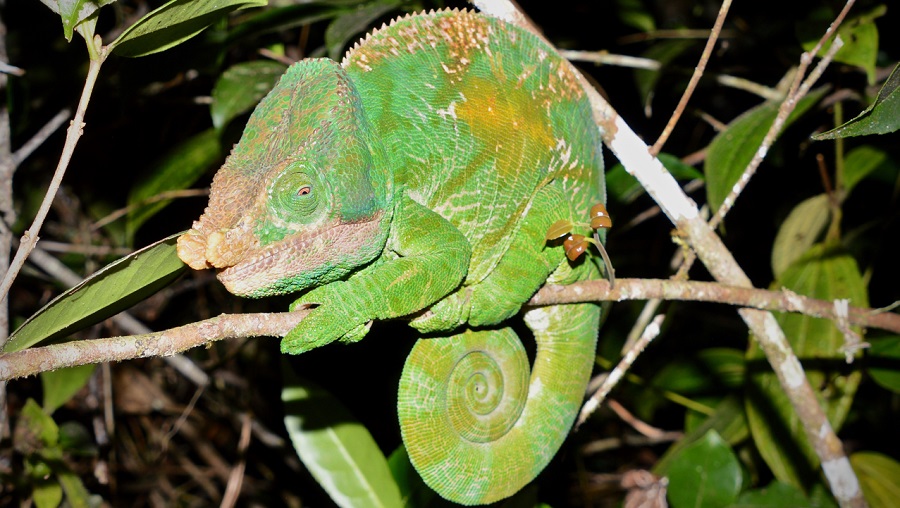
<point x="417" y="179"/>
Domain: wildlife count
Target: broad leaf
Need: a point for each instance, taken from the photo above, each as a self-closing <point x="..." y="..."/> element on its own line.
<point x="35" y="430"/>
<point x="705" y="474"/>
<point x="884" y="362"/>
<point x="173" y="23"/>
<point x="729" y="423"/>
<point x="878" y="476"/>
<point x="286" y="15"/>
<point x="626" y="188"/>
<point x="775" y="495"/>
<point x="74" y="12"/>
<point x="47" y="493"/>
<point x="177" y="170"/>
<point x="861" y="162"/>
<point x="241" y="87"/>
<point x="777" y="432"/>
<point x="338" y="451"/>
<point x="799" y="232"/>
<point x="635" y="14"/>
<point x="725" y="364"/>
<point x="882" y="117"/>
<point x="60" y="385"/>
<point x="859" y="35"/>
<point x="664" y="52"/>
<point x="112" y="289"/>
<point x="354" y="21"/>
<point x="733" y="149"/>
<point x="413" y="490"/>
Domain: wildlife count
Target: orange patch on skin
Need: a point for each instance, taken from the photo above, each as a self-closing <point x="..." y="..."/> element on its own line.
<point x="486" y="113"/>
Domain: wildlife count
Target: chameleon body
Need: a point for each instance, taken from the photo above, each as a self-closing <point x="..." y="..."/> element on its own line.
<point x="418" y="178"/>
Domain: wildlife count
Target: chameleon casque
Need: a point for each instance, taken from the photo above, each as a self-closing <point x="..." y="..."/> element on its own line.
<point x="418" y="178"/>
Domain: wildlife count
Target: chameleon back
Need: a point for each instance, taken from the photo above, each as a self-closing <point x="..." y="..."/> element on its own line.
<point x="477" y="115"/>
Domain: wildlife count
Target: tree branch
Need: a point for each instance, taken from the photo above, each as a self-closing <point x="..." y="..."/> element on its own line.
<point x="33" y="361"/>
<point x="29" y="362"/>
<point x="666" y="289"/>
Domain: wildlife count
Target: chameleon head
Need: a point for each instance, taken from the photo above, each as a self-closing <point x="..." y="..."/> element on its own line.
<point x="302" y="198"/>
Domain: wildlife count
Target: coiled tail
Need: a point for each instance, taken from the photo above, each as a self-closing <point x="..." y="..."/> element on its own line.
<point x="477" y="426"/>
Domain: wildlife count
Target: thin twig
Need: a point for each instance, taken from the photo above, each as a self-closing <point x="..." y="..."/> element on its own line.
<point x="125" y="321"/>
<point x="636" y="423"/>
<point x="612" y="443"/>
<point x="32" y="361"/>
<point x="236" y="478"/>
<point x="6" y="68"/>
<point x="30" y="238"/>
<point x="695" y="78"/>
<point x="779" y="301"/>
<point x="605" y="58"/>
<point x="746" y="85"/>
<point x="616" y="374"/>
<point x="162" y="196"/>
<point x="40" y="136"/>
<point x="799" y="88"/>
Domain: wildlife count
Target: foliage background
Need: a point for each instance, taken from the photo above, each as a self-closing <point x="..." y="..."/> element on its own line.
<point x="166" y="446"/>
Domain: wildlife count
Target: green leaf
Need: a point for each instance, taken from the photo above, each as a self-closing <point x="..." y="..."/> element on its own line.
<point x="278" y="18"/>
<point x="173" y="23"/>
<point x="76" y="440"/>
<point x="775" y="495"/>
<point x="882" y="117"/>
<point x="77" y="496"/>
<point x="241" y="87"/>
<point x="681" y="376"/>
<point x="799" y="231"/>
<point x="828" y="275"/>
<point x="352" y="22"/>
<point x="413" y="490"/>
<point x="61" y="385"/>
<point x="884" y="362"/>
<point x="725" y="364"/>
<point x="706" y="474"/>
<point x="860" y="163"/>
<point x="624" y="187"/>
<point x="338" y="451"/>
<point x="74" y="12"/>
<point x="111" y="290"/>
<point x="859" y="34"/>
<point x="728" y="421"/>
<point x="664" y="52"/>
<point x="878" y="475"/>
<point x="35" y="430"/>
<point x="177" y="170"/>
<point x="635" y="14"/>
<point x="732" y="149"/>
<point x="47" y="493"/>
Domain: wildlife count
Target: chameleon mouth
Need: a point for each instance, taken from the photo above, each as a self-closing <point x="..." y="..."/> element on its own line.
<point x="303" y="260"/>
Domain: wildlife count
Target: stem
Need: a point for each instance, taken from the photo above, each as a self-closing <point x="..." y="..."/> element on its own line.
<point x="73" y="134"/>
<point x="32" y="361"/>
<point x="695" y="78"/>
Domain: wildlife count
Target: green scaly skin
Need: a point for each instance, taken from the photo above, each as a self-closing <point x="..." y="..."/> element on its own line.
<point x="422" y="174"/>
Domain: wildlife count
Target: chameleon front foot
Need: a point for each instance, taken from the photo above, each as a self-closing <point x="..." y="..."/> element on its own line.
<point x="336" y="316"/>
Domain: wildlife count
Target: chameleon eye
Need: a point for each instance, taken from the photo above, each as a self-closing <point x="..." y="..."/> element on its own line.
<point x="291" y="197"/>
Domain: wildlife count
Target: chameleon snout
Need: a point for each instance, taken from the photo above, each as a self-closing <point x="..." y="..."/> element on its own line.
<point x="220" y="249"/>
